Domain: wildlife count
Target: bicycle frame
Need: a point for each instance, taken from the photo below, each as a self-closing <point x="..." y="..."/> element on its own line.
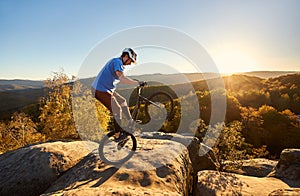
<point x="137" y="106"/>
<point x="141" y="99"/>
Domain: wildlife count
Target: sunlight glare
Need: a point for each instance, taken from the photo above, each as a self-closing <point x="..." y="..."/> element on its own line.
<point x="235" y="61"/>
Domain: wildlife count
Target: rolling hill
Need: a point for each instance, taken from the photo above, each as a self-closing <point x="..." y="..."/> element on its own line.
<point x="15" y="94"/>
<point x="268" y="74"/>
<point x="7" y="85"/>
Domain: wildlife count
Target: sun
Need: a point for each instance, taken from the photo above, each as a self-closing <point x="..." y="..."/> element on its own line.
<point x="235" y="61"/>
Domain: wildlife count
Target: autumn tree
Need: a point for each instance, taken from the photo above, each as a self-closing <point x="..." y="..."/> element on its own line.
<point x="229" y="144"/>
<point x="253" y="98"/>
<point x="232" y="113"/>
<point x="284" y="92"/>
<point x="18" y="132"/>
<point x="253" y="130"/>
<point x="91" y="117"/>
<point x="56" y="116"/>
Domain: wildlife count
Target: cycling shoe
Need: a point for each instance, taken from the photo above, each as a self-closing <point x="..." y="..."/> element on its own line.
<point x="122" y="137"/>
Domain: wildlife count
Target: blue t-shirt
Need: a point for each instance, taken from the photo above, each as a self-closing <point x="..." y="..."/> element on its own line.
<point x="107" y="78"/>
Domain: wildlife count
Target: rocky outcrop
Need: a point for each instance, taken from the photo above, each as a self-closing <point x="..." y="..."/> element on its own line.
<point x="258" y="167"/>
<point x="31" y="170"/>
<point x="286" y="192"/>
<point x="163" y="164"/>
<point x="284" y="179"/>
<point x="211" y="183"/>
<point x="253" y="167"/>
<point x="193" y="145"/>
<point x="158" y="167"/>
<point x="288" y="167"/>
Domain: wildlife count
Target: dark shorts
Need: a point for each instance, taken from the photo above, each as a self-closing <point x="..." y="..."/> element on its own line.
<point x="112" y="101"/>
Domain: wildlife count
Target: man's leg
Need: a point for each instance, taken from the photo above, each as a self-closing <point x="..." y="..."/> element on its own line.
<point x="109" y="102"/>
<point x="126" y="117"/>
<point x="117" y="114"/>
<point x="124" y="107"/>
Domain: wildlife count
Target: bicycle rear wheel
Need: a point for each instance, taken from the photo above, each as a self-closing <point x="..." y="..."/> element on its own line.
<point x="160" y="106"/>
<point x="115" y="153"/>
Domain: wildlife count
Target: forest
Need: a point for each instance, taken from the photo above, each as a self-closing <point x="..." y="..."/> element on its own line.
<point x="261" y="119"/>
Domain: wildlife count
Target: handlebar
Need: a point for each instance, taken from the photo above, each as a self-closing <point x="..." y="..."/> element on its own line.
<point x="142" y="83"/>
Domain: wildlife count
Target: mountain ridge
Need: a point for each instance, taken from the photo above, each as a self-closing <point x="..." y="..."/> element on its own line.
<point x="17" y="99"/>
<point x="20" y="84"/>
<point x="23" y="84"/>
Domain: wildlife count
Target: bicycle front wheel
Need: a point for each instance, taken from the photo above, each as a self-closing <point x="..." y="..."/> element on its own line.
<point x="116" y="153"/>
<point x="160" y="106"/>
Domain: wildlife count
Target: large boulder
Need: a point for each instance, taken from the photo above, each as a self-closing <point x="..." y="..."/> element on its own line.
<point x="258" y="167"/>
<point x="211" y="183"/>
<point x="164" y="164"/>
<point x="159" y="167"/>
<point x="288" y="167"/>
<point x="202" y="156"/>
<point x="31" y="170"/>
<point x="286" y="192"/>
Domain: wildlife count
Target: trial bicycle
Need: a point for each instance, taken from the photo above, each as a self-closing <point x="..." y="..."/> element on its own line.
<point x="157" y="107"/>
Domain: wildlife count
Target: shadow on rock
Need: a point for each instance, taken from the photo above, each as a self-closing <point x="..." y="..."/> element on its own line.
<point x="89" y="172"/>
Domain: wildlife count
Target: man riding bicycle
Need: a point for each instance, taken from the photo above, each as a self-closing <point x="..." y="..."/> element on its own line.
<point x="104" y="87"/>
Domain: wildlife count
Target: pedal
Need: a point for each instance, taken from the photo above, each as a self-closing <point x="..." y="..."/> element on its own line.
<point x="122" y="143"/>
<point x="138" y="121"/>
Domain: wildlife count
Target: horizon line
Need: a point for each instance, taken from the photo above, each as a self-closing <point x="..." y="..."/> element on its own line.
<point x="224" y="73"/>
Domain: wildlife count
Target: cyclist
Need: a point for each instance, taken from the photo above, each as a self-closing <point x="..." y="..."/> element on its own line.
<point x="104" y="87"/>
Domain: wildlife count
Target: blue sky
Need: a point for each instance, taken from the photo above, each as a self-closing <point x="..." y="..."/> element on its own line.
<point x="39" y="36"/>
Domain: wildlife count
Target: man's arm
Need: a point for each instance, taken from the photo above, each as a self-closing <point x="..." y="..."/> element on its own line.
<point x="125" y="80"/>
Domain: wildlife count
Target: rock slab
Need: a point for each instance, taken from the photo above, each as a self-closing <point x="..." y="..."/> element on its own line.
<point x="159" y="167"/>
<point x="211" y="183"/>
<point x="288" y="167"/>
<point x="31" y="170"/>
<point x="286" y="192"/>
